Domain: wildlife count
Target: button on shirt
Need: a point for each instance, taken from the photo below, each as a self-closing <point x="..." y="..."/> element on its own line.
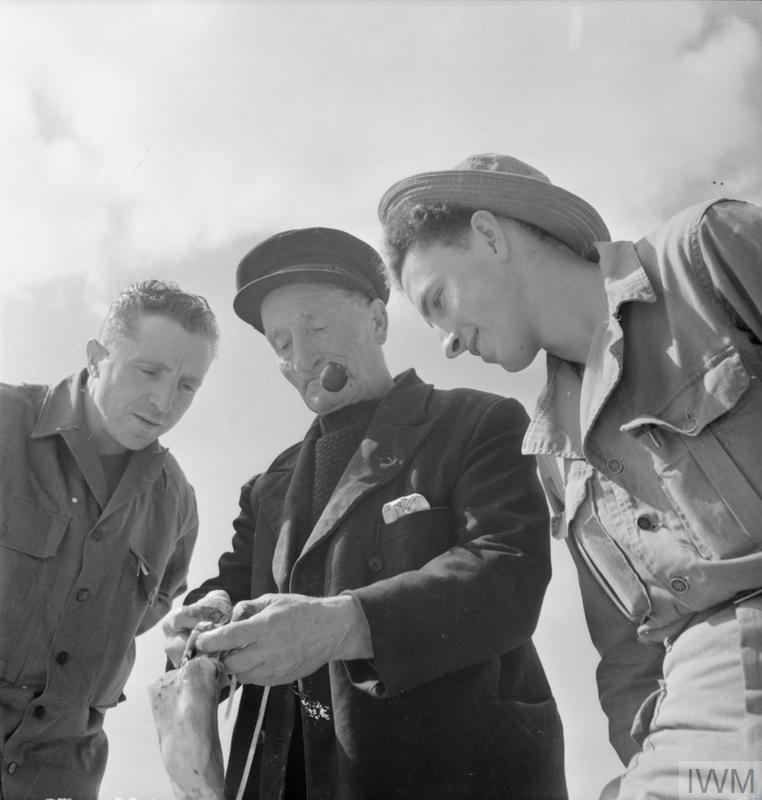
<point x="73" y="601"/>
<point x="652" y="458"/>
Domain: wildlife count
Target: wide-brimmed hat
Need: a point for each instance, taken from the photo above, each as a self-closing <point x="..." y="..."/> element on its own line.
<point x="306" y="255"/>
<point x="507" y="187"/>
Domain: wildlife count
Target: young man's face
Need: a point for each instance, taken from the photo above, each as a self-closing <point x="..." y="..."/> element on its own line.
<point x="143" y="384"/>
<point x="475" y="300"/>
<point x="310" y="325"/>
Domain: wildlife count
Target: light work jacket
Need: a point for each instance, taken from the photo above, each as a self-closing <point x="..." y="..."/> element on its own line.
<point x="652" y="457"/>
<point x="81" y="574"/>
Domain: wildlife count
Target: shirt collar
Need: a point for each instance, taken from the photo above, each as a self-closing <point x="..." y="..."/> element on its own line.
<point x="63" y="409"/>
<point x="555" y="428"/>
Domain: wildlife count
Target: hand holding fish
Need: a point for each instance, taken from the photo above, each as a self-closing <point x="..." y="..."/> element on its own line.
<point x="278" y="638"/>
<point x="214" y="607"/>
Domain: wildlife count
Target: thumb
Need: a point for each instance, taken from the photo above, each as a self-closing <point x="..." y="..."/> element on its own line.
<point x="248" y="608"/>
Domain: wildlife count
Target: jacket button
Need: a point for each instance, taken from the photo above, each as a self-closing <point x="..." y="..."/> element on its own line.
<point x="97" y="536"/>
<point x="62" y="657"/>
<point x="690" y="423"/>
<point x="679" y="585"/>
<point x="375" y="563"/>
<point x="83" y="594"/>
<point x="614" y="465"/>
<point x="39" y="712"/>
<point x="644" y="523"/>
<point x="12" y="767"/>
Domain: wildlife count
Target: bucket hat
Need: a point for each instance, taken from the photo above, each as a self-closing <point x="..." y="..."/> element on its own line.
<point x="505" y="186"/>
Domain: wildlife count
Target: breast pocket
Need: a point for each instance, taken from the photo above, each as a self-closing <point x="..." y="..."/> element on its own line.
<point x="30" y="538"/>
<point x="709" y="461"/>
<point x="410" y="542"/>
<point x="594" y="546"/>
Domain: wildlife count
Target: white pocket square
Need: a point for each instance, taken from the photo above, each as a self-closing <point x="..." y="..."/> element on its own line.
<point x="395" y="509"/>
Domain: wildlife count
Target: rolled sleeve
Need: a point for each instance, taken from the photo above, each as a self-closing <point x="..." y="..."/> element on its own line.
<point x="730" y="243"/>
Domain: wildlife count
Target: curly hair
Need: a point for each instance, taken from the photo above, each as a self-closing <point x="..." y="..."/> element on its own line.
<point x="159" y="298"/>
<point x="442" y="223"/>
<point x="420" y="226"/>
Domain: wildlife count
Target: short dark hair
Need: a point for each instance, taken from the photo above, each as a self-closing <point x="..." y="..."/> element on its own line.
<point x="422" y="225"/>
<point x="158" y="298"/>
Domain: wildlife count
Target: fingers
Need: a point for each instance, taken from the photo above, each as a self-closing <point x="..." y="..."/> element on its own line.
<point x="228" y="637"/>
<point x="216" y="606"/>
<point x="174" y="647"/>
<point x="245" y="664"/>
<point x="248" y="608"/>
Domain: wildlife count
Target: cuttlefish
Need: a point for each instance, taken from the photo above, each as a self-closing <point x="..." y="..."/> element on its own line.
<point x="184" y="704"/>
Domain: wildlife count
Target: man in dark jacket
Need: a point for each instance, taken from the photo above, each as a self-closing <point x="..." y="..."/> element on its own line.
<point x="397" y="559"/>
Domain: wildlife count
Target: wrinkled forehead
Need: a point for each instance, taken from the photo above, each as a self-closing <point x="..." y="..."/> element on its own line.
<point x="293" y="303"/>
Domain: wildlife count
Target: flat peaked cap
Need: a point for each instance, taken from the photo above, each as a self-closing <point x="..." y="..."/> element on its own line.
<point x="306" y="255"/>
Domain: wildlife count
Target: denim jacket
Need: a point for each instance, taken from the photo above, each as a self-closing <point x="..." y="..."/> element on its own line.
<point x="652" y="458"/>
<point x="81" y="573"/>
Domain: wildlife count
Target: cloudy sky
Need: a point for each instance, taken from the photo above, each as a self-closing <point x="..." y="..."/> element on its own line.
<point x="164" y="139"/>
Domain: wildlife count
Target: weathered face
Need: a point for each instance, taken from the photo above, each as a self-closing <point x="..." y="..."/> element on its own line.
<point x="143" y="384"/>
<point x="311" y="325"/>
<point x="475" y="301"/>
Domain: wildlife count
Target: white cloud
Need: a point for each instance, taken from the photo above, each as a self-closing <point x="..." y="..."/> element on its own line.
<point x="142" y="132"/>
<point x="159" y="136"/>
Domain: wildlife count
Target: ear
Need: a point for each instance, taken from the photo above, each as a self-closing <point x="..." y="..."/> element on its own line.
<point x="489" y="233"/>
<point x="96" y="352"/>
<point x="380" y="320"/>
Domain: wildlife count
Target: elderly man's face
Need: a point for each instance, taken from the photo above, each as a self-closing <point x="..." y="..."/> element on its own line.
<point x="310" y="325"/>
<point x="143" y="384"/>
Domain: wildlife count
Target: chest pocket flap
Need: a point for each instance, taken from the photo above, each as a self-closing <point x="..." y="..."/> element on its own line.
<point x="707" y="395"/>
<point x="29" y="529"/>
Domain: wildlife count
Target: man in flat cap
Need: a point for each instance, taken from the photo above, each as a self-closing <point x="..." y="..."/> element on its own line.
<point x="648" y="434"/>
<point x="388" y="569"/>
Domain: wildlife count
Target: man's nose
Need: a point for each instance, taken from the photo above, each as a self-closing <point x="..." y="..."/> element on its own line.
<point x="164" y="395"/>
<point x="453" y="344"/>
<point x="305" y="357"/>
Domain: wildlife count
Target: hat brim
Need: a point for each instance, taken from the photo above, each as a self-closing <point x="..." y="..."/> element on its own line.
<point x="559" y="212"/>
<point x="247" y="303"/>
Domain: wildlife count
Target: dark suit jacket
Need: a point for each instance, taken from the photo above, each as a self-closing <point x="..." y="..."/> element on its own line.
<point x="455" y="703"/>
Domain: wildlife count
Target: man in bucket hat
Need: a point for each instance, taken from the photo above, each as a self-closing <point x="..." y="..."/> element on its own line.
<point x="648" y="433"/>
<point x="388" y="569"/>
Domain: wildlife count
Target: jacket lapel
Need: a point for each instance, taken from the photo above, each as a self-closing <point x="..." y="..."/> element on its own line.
<point x="297" y="509"/>
<point x="395" y="433"/>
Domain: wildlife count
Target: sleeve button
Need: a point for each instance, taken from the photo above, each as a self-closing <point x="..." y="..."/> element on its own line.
<point x="679" y="585"/>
